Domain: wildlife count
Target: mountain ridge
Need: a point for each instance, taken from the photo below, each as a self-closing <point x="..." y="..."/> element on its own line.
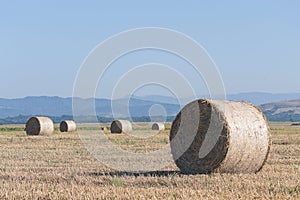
<point x="272" y="105"/>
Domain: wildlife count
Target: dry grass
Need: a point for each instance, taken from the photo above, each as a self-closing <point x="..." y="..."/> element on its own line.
<point x="59" y="167"/>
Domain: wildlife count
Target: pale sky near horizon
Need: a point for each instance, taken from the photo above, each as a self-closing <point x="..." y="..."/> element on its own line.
<point x="256" y="45"/>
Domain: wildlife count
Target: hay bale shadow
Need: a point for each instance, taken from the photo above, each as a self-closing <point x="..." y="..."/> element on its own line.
<point x="136" y="174"/>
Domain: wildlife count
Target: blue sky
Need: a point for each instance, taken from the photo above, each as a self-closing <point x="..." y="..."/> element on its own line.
<point x="256" y="45"/>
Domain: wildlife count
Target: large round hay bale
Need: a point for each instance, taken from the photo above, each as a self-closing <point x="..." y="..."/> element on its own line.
<point x="67" y="126"/>
<point x="39" y="126"/>
<point x="158" y="126"/>
<point x="220" y="136"/>
<point x="119" y="126"/>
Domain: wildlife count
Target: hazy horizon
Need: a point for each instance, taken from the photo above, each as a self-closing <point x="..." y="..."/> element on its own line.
<point x="159" y="95"/>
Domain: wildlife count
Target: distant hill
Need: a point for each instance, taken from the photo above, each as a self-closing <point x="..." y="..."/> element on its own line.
<point x="57" y="106"/>
<point x="282" y="111"/>
<point x="258" y="98"/>
<point x="284" y="108"/>
<point x="158" y="98"/>
<point x="50" y="106"/>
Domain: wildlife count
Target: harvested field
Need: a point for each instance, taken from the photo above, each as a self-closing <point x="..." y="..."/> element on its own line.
<point x="59" y="167"/>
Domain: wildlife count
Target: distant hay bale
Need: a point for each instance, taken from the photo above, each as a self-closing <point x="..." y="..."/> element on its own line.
<point x="158" y="126"/>
<point x="39" y="126"/>
<point x="67" y="126"/>
<point x="220" y="136"/>
<point x="119" y="126"/>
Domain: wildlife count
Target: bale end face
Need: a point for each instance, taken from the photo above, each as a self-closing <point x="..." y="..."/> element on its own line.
<point x="116" y="127"/>
<point x="33" y="126"/>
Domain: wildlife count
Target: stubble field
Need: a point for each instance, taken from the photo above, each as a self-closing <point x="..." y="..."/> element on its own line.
<point x="60" y="167"/>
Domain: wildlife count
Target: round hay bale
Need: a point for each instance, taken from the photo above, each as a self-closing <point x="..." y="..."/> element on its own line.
<point x="119" y="126"/>
<point x="39" y="126"/>
<point x="220" y="136"/>
<point x="67" y="126"/>
<point x="158" y="126"/>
